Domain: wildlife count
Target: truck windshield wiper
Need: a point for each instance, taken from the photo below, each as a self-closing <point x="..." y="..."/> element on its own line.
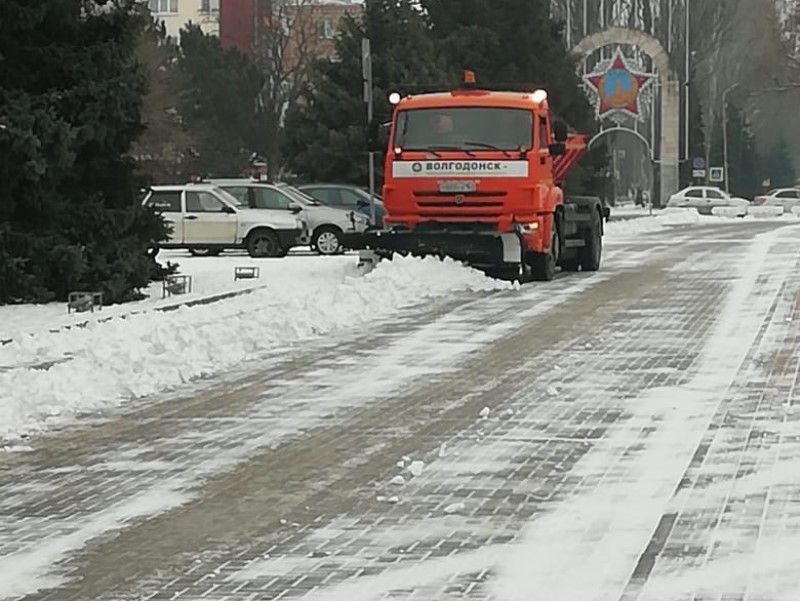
<point x="490" y="147"/>
<point x="433" y="149"/>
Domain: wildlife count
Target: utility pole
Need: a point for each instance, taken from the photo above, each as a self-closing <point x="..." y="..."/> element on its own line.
<point x="725" y="132"/>
<point x="366" y="75"/>
<point x="687" y="127"/>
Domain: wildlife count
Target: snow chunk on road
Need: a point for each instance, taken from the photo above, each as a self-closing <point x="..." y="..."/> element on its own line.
<point x="416" y="468"/>
<point x="108" y="363"/>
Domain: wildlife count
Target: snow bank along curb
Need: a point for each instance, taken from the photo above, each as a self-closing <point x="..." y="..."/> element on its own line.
<point x="38" y="364"/>
<point x="140" y="355"/>
<point x="163" y="308"/>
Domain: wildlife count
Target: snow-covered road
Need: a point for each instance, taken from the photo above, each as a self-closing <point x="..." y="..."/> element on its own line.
<point x="627" y="435"/>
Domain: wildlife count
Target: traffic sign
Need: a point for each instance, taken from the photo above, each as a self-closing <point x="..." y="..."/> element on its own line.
<point x="716" y="175"/>
<point x="699" y="173"/>
<point x="698" y="163"/>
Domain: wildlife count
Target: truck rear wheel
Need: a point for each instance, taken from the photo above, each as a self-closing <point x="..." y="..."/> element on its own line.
<point x="592" y="253"/>
<point x="570" y="264"/>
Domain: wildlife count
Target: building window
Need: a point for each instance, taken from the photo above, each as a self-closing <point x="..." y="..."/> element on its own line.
<point x="326" y="29"/>
<point x="209" y="6"/>
<point x="163" y="7"/>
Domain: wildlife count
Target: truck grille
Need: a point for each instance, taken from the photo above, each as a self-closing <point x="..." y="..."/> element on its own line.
<point x="479" y="194"/>
<point x="470" y="206"/>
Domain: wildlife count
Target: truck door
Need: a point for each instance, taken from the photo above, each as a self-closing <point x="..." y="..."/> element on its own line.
<point x="208" y="220"/>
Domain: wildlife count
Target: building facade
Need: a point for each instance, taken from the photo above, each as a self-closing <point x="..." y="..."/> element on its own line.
<point x="309" y="26"/>
<point x="175" y="14"/>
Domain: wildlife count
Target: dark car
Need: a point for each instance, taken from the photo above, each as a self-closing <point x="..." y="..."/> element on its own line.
<point x="345" y="196"/>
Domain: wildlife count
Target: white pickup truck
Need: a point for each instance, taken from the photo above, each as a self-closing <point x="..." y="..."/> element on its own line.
<point x="207" y="220"/>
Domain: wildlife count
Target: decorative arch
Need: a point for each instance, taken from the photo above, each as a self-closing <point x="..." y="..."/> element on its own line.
<point x="612" y="130"/>
<point x="669" y="155"/>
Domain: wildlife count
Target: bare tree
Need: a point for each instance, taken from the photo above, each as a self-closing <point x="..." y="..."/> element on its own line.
<point x="288" y="39"/>
<point x="162" y="148"/>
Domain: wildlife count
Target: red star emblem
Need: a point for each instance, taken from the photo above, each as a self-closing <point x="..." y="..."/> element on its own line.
<point x="618" y="87"/>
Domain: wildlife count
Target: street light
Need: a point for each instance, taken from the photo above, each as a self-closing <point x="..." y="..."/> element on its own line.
<point x="725" y="131"/>
<point x="687" y="128"/>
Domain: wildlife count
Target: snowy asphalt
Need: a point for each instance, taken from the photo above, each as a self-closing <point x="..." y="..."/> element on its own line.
<point x="630" y="435"/>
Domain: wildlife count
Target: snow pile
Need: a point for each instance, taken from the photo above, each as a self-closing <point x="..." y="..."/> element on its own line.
<point x="766" y="212"/>
<point x="210" y="276"/>
<point x="664" y="219"/>
<point x="107" y="363"/>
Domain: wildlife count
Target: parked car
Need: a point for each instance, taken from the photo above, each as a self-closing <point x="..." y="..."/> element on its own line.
<point x="325" y="224"/>
<point x="345" y="196"/>
<point x="706" y="198"/>
<point x="207" y="220"/>
<point x="788" y="198"/>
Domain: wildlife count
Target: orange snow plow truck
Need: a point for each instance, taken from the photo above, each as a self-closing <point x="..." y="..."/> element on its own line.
<point x="477" y="175"/>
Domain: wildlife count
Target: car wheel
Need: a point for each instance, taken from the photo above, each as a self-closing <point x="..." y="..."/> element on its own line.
<point x="327" y="241"/>
<point x="263" y="243"/>
<point x="204" y="252"/>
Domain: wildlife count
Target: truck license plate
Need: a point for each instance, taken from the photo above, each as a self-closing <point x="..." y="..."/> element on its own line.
<point x="457" y="187"/>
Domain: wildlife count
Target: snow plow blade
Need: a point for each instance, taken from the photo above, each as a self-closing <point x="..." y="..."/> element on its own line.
<point x="482" y="250"/>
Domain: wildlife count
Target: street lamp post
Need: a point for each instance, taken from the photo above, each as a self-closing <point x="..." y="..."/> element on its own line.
<point x="725" y="131"/>
<point x="688" y="67"/>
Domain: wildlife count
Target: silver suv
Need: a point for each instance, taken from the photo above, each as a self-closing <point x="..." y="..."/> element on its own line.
<point x="207" y="220"/>
<point x="325" y="224"/>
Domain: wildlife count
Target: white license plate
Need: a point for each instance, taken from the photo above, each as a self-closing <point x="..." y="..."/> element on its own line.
<point x="457" y="187"/>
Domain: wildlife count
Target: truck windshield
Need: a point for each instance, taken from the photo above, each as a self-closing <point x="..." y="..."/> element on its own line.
<point x="472" y="129"/>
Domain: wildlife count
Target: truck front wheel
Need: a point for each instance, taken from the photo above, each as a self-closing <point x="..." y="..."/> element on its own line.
<point x="543" y="265"/>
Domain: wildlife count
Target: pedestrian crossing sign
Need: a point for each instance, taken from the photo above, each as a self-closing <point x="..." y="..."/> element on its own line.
<point x="716" y="175"/>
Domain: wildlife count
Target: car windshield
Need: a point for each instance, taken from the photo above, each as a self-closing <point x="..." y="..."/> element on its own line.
<point x="365" y="194"/>
<point x="473" y="129"/>
<point x="230" y="198"/>
<point x="297" y="195"/>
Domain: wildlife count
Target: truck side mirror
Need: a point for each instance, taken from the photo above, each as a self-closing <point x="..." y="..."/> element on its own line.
<point x="557" y="149"/>
<point x="560" y="131"/>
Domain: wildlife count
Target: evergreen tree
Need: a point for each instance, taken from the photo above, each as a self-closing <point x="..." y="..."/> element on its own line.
<point x="514" y="44"/>
<point x="511" y="43"/>
<point x="163" y="150"/>
<point x="777" y="166"/>
<point x="743" y="159"/>
<point x="697" y="142"/>
<point x="326" y="133"/>
<point x="70" y="97"/>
